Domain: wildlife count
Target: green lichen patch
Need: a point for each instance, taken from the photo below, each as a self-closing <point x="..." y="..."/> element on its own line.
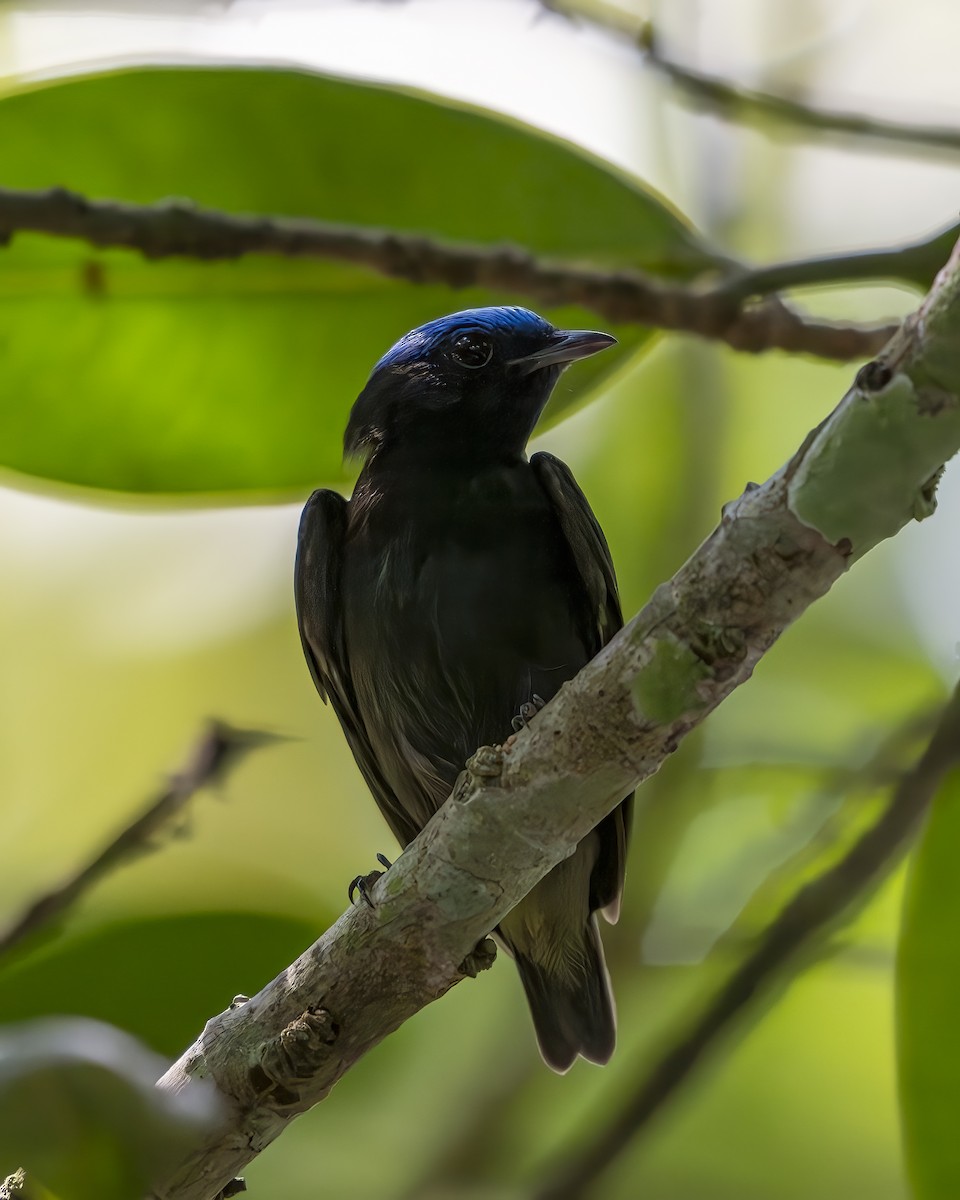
<point x="666" y="687"/>
<point x="869" y="469"/>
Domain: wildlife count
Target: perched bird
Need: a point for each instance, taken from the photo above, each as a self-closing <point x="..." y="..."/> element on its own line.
<point x="454" y="593"/>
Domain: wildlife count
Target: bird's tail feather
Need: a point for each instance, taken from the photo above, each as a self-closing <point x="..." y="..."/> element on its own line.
<point x="571" y="1003"/>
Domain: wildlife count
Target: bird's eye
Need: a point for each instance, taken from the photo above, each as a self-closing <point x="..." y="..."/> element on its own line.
<point x="472" y="350"/>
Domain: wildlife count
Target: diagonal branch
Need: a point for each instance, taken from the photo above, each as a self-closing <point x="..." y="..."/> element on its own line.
<point x="809" y="915"/>
<point x="466" y="1155"/>
<point x="736" y="103"/>
<point x="214" y="753"/>
<point x="179" y="228"/>
<point x="516" y="813"/>
<point x="745" y="104"/>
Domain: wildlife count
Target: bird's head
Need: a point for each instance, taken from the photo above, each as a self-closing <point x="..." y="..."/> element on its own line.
<point x="470" y="384"/>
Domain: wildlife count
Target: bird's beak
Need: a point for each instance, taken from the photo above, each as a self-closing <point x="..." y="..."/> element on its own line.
<point x="565" y="346"/>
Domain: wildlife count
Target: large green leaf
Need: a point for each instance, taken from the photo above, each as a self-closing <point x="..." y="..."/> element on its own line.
<point x="116" y="972"/>
<point x="181" y="376"/>
<point x="928" y="1001"/>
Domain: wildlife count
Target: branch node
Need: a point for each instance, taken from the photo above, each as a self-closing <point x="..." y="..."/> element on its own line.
<point x="233" y="1188"/>
<point x="486" y="764"/>
<point x="66" y="201"/>
<point x="482" y="959"/>
<point x="294" y="1054"/>
<point x="925" y="504"/>
<point x="873" y="376"/>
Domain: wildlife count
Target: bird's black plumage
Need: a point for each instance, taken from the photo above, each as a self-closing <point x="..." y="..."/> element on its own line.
<point x="459" y="582"/>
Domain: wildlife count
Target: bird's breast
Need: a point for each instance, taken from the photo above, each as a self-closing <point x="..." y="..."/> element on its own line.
<point x="460" y="601"/>
<point x="457" y="557"/>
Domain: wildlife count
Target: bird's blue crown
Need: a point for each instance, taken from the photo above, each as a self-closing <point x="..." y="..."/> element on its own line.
<point x="420" y="343"/>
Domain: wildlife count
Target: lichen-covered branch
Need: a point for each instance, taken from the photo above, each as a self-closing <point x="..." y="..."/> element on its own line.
<point x="812" y="912"/>
<point x="179" y="228"/>
<point x="516" y="813"/>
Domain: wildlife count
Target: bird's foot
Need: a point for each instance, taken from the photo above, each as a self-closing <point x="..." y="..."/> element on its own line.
<point x="479" y="959"/>
<point x="361" y="886"/>
<point x="363" y="883"/>
<point x="528" y="710"/>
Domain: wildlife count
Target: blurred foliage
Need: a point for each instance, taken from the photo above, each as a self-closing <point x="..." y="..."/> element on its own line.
<point x="121" y="632"/>
<point x="928" y="994"/>
<point x="80" y="1113"/>
<point x="91" y="973"/>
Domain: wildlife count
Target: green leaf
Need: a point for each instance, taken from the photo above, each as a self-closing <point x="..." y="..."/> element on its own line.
<point x="180" y="376"/>
<point x="116" y="972"/>
<point x="79" y="1109"/>
<point x="928" y="1001"/>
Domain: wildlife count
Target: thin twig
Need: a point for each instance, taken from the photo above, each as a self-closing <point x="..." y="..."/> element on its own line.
<point x="813" y="910"/>
<point x="737" y="103"/>
<point x="734" y="102"/>
<point x="915" y="263"/>
<point x="178" y="228"/>
<point x="746" y="104"/>
<point x="215" y="752"/>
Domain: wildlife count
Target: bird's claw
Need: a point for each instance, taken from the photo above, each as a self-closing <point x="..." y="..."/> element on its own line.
<point x="528" y="710"/>
<point x="363" y="883"/>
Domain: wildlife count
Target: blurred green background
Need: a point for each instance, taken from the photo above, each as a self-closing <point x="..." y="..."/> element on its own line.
<point x="128" y="617"/>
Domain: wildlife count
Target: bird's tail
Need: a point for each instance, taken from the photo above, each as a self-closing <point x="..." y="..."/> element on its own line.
<point x="571" y="1001"/>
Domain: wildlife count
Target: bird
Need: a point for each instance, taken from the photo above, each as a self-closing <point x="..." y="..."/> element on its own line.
<point x="450" y="597"/>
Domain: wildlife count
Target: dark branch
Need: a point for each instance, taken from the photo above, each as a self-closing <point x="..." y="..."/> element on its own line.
<point x="216" y="751"/>
<point x="916" y="263"/>
<point x="178" y="228"/>
<point x="809" y="915"/>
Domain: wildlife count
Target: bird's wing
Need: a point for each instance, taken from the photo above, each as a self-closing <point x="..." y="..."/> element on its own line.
<point x="591" y="557"/>
<point x="317" y="590"/>
<point x="319" y="616"/>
